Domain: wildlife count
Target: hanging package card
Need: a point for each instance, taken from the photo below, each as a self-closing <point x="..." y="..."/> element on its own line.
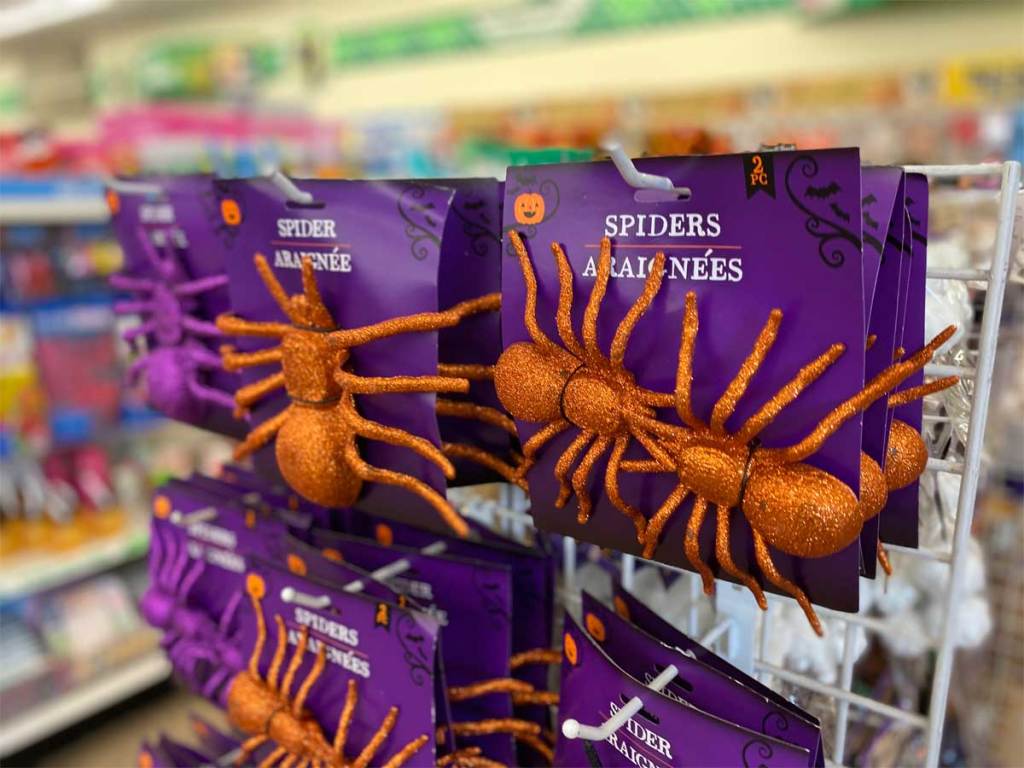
<point x="212" y="738"/>
<point x="373" y="252"/>
<point x="664" y="732"/>
<point x="472" y="601"/>
<point x="367" y="667"/>
<point x="295" y="512"/>
<point x="899" y="519"/>
<point x="174" y="274"/>
<point x="770" y="246"/>
<point x="881" y="213"/>
<point x="644" y="657"/>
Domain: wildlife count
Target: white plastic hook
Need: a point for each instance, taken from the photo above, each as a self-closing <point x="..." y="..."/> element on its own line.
<point x="125" y="187"/>
<point x="634" y="176"/>
<point x="287" y="188"/>
<point x="294" y="597"/>
<point x="191" y="518"/>
<point x="394" y="569"/>
<point x="574" y="729"/>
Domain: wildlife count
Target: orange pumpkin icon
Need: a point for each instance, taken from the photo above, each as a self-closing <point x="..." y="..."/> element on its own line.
<point x="230" y="212"/>
<point x="529" y="208"/>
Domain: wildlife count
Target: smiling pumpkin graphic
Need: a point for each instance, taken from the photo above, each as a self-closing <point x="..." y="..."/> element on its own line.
<point x="529" y="208"/>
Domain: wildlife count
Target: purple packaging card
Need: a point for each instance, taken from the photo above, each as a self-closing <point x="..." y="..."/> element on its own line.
<point x="390" y="652"/>
<point x="184" y="756"/>
<point x="899" y="518"/>
<point x="470" y="266"/>
<point x="635" y="611"/>
<point x="792" y="242"/>
<point x="359" y="235"/>
<point x="883" y="239"/>
<point x="294" y="511"/>
<point x="160" y="235"/>
<point x="663" y="733"/>
<point x="213" y="739"/>
<point x="644" y="657"/>
<point x="472" y="601"/>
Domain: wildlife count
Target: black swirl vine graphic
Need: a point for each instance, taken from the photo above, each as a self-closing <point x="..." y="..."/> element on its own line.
<point x="534" y="201"/>
<point x="835" y="241"/>
<point x="421" y="221"/>
<point x="476" y="223"/>
<point x="774" y="723"/>
<point x="762" y="752"/>
<point x="414" y="649"/>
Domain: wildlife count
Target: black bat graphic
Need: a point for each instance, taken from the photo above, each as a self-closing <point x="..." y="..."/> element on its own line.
<point x="822" y="193"/>
<point x="869" y="200"/>
<point x="474" y="205"/>
<point x="834" y="207"/>
<point x="869" y="221"/>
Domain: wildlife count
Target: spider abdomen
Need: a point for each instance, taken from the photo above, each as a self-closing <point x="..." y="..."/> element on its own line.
<point x="529" y="383"/>
<point x="873" y="490"/>
<point x="800" y="509"/>
<point x="712" y="473"/>
<point x="309" y="459"/>
<point x="906" y="457"/>
<point x="592" y="404"/>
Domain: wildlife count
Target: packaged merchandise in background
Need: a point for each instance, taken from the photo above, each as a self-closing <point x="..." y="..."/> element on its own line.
<point x="378" y="448"/>
<point x="643" y="656"/>
<point x="472" y="602"/>
<point x="662" y="732"/>
<point x="763" y="232"/>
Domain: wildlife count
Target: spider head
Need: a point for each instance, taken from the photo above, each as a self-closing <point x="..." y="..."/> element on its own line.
<point x="801" y="510"/>
<point x="593" y="403"/>
<point x="906" y="456"/>
<point x="873" y="490"/>
<point x="529" y="381"/>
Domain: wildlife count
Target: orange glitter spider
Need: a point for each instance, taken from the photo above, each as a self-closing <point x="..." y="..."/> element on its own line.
<point x="316" y="432"/>
<point x="264" y="710"/>
<point x="793" y="506"/>
<point x="577" y="385"/>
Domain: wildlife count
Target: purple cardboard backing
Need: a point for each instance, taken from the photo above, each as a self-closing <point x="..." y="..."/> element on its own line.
<point x="214" y="740"/>
<point x="372" y="231"/>
<point x="470" y="266"/>
<point x="663" y="733"/>
<point x="643" y="657"/>
<point x="899" y="525"/>
<point x="472" y="602"/>
<point x="883" y="198"/>
<point x="391" y="653"/>
<point x="794" y="245"/>
<point x="636" y="612"/>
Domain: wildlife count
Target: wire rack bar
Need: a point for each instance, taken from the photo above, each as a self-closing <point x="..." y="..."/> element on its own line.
<point x="939" y="369"/>
<point x="951" y="466"/>
<point x="941" y="273"/>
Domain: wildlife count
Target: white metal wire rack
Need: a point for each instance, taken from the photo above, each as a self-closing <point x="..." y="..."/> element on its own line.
<point x="743" y="640"/>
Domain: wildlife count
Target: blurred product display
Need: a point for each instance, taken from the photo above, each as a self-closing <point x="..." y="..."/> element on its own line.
<point x="175" y="413"/>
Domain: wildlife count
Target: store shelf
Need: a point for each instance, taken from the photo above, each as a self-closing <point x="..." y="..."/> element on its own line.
<point x="39" y="570"/>
<point x="37" y="723"/>
<point x="71" y="210"/>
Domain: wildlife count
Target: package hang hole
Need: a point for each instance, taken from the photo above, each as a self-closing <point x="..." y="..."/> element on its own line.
<point x="312" y="205"/>
<point x="663" y="195"/>
<point x="648" y="716"/>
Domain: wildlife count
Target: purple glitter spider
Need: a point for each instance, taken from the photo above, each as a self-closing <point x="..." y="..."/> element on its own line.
<point x="202" y="650"/>
<point x="174" y="365"/>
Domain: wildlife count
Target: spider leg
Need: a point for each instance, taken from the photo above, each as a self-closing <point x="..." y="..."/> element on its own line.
<point x="691" y="544"/>
<point x="262" y="434"/>
<point x="279" y="651"/>
<point x="289" y="761"/>
<point x="790" y="391"/>
<point x="404" y="755"/>
<point x="597" y="292"/>
<point x="537" y="336"/>
<point x="465" y="410"/>
<point x="684" y="370"/>
<point x="233" y="361"/>
<point x="563" y="316"/>
<point x="249" y="746"/>
<point x="409" y="483"/>
<point x="377" y="385"/>
<point x="139" y="330"/>
<point x="762" y="345"/>
<point x="643" y="465"/>
<point x="311" y="677"/>
<point x="656" y="399"/>
<point x="657" y="452"/>
<point x="191" y="578"/>
<point x="252" y="393"/>
<point x="393" y="436"/>
<point x="132" y="307"/>
<point x="915" y="393"/>
<point x="537" y="746"/>
<point x="658" y="521"/>
<point x="210" y="394"/>
<point x="261" y="638"/>
<point x="236" y="326"/>
<point x="579" y="477"/>
<point x="345" y="719"/>
<point x="321" y="316"/>
<point x="137" y="367"/>
<point x="883" y="560"/>
<point x="200" y="285"/>
<point x="643" y="302"/>
<point x="422" y="322"/>
<point x="274" y="287"/>
<point x="293" y="666"/>
<point x="377" y="740"/>
<point x="611" y="488"/>
<point x="135" y="284"/>
<point x="539" y="440"/>
<point x="203" y="357"/>
<point x="273" y="757"/>
<point x="467" y="371"/>
<point x="229" y="612"/>
<point x="565" y="462"/>
<point x="200" y="327"/>
<point x="724" y="556"/>
<point x="535" y="656"/>
<point x="767" y="566"/>
<point x="482" y="457"/>
<point x="487" y="687"/>
<point x="214" y="682"/>
<point x="884" y="382"/>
